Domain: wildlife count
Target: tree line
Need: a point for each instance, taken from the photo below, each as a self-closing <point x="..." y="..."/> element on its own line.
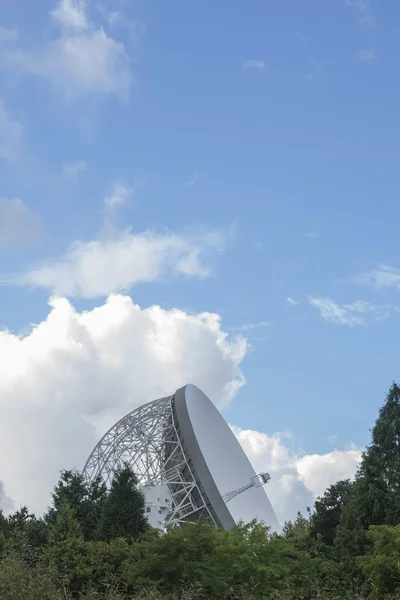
<point x="95" y="543"/>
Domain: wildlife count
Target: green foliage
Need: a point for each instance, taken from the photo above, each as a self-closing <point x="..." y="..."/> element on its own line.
<point x="314" y="566"/>
<point x="381" y="563"/>
<point x="123" y="510"/>
<point x="86" y="500"/>
<point x="83" y="564"/>
<point x="23" y="524"/>
<point x="65" y="526"/>
<point x="379" y="474"/>
<point x="183" y="556"/>
<point x="23" y="576"/>
<point x="328" y="510"/>
<point x="374" y="497"/>
<point x="245" y="561"/>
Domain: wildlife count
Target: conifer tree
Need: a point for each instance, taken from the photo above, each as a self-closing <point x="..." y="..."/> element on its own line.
<point x="23" y="524"/>
<point x="124" y="509"/>
<point x="65" y="527"/>
<point x="375" y="495"/>
<point x="85" y="499"/>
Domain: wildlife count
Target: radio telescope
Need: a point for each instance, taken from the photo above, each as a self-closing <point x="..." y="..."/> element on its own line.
<point x="188" y="462"/>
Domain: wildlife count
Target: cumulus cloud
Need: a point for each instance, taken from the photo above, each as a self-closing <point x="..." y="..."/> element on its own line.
<point x="100" y="267"/>
<point x="295" y="481"/>
<point x="71" y="13"/>
<point x="81" y="59"/>
<point x="75" y="374"/>
<point x="17" y="223"/>
<point x="10" y="134"/>
<point x="319" y="471"/>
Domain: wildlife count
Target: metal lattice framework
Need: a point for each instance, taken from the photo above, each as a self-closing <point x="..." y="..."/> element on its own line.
<point x="257" y="481"/>
<point x="148" y="440"/>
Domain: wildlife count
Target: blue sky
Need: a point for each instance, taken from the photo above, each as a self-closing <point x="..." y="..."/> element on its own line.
<point x="266" y="135"/>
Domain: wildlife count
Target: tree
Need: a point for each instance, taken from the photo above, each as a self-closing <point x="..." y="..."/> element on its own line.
<point x="22" y="579"/>
<point x="381" y="564"/>
<point x="374" y="498"/>
<point x="85" y="499"/>
<point x="328" y="509"/>
<point x="314" y="566"/>
<point x="123" y="513"/>
<point x="182" y="556"/>
<point x="66" y="548"/>
<point x="244" y="562"/>
<point x="24" y="525"/>
<point x="65" y="527"/>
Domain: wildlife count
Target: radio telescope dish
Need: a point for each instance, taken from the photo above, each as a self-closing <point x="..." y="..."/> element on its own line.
<point x="188" y="463"/>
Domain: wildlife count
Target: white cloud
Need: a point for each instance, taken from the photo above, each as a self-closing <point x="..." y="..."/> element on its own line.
<point x="75" y="374"/>
<point x="119" y="195"/>
<point x="74" y="169"/>
<point x="295" y="481"/>
<point x="250" y="326"/>
<point x="71" y="13"/>
<point x="10" y="134"/>
<point x="254" y="64"/>
<point x="17" y="223"/>
<point x="347" y="314"/>
<point x="383" y="277"/>
<point x="100" y="267"/>
<point x="319" y="471"/>
<point x="81" y="60"/>
<point x="364" y="11"/>
<point x="291" y="301"/>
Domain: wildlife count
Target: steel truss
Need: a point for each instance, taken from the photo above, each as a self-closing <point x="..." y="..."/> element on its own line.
<point x="148" y="440"/>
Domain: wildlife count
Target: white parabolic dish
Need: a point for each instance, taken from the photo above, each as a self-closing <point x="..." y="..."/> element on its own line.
<point x="182" y="447"/>
<point x="214" y="448"/>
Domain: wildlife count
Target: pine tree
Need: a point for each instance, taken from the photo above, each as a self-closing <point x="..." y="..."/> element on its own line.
<point x="65" y="527"/>
<point x="124" y="510"/>
<point x="85" y="499"/>
<point x="375" y="495"/>
<point x="23" y="524"/>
